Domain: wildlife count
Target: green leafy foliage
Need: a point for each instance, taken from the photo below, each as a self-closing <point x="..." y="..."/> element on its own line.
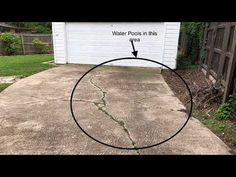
<point x="184" y="62"/>
<point x="40" y="46"/>
<point x="42" y="29"/>
<point x="195" y="34"/>
<point x="4" y="86"/>
<point x="38" y="27"/>
<point x="227" y="110"/>
<point x="10" y="43"/>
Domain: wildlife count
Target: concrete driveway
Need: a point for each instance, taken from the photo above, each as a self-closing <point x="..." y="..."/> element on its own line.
<point x="127" y="107"/>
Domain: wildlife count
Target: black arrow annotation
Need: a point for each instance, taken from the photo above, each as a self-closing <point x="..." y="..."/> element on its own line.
<point x="135" y="53"/>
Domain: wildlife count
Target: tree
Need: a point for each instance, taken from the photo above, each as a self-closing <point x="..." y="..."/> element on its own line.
<point x="38" y="27"/>
<point x="194" y="32"/>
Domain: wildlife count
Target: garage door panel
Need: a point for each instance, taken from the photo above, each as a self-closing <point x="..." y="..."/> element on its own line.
<point x="93" y="43"/>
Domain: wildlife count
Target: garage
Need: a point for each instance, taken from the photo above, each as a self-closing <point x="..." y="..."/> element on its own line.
<point x="94" y="43"/>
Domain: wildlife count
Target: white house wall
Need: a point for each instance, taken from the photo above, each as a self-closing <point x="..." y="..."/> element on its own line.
<point x="171" y="43"/>
<point x="59" y="42"/>
<point x="93" y="43"/>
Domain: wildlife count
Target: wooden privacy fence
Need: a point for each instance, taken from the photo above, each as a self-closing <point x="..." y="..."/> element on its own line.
<point x="27" y="43"/>
<point x="220" y="54"/>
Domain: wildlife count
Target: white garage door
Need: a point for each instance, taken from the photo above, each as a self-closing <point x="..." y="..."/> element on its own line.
<point x="94" y="43"/>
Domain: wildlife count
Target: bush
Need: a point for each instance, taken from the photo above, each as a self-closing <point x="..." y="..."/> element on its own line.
<point x="227" y="110"/>
<point x="182" y="61"/>
<point x="40" y="46"/>
<point x="194" y="33"/>
<point x="42" y="29"/>
<point x="10" y="43"/>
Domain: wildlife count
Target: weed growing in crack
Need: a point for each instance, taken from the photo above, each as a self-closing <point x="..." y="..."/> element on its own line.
<point x="101" y="107"/>
<point x="121" y="123"/>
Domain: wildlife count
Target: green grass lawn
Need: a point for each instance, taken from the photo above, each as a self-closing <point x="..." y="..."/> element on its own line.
<point x="3" y="86"/>
<point x="222" y="128"/>
<point x="24" y="65"/>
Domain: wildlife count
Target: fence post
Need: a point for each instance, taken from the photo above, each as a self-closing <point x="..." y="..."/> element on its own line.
<point x="51" y="46"/>
<point x="203" y="45"/>
<point x="22" y="42"/>
<point x="211" y="52"/>
<point x="231" y="70"/>
<point x="224" y="50"/>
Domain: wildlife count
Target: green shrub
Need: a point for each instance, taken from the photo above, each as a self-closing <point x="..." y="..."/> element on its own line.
<point x="182" y="61"/>
<point x="42" y="29"/>
<point x="40" y="46"/>
<point x="194" y="33"/>
<point x="10" y="43"/>
<point x="227" y="110"/>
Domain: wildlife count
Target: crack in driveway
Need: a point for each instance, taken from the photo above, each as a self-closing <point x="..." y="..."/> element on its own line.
<point x="101" y="106"/>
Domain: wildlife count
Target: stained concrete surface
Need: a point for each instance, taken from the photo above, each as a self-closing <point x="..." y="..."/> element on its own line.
<point x="120" y="106"/>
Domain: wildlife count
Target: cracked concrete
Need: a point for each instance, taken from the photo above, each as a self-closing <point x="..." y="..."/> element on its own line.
<point x="127" y="107"/>
<point x="101" y="106"/>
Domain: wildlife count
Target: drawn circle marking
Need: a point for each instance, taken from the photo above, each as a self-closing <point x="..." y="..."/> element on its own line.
<point x="126" y="148"/>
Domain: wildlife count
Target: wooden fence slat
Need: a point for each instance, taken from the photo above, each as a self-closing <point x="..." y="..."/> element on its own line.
<point x="36" y="35"/>
<point x="204" y="44"/>
<point x="211" y="50"/>
<point x="29" y="43"/>
<point x="51" y="46"/>
<point x="222" y="57"/>
<point x="22" y="43"/>
<point x="231" y="70"/>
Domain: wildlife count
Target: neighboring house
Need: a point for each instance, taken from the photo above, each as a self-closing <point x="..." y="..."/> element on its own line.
<point x="12" y="29"/>
<point x="94" y="43"/>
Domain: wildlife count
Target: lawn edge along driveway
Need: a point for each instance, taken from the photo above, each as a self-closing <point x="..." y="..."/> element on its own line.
<point x="20" y="66"/>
